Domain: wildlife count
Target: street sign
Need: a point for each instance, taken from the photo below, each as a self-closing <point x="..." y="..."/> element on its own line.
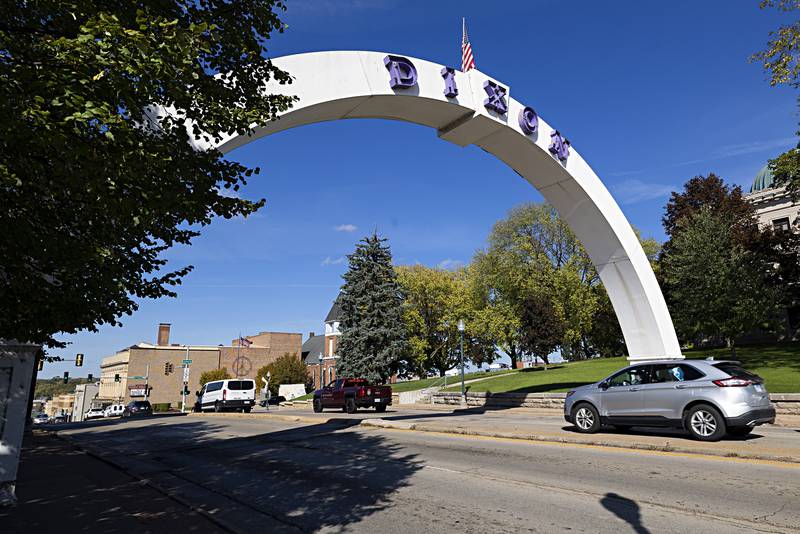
<point x="187" y="361"/>
<point x="138" y="377"/>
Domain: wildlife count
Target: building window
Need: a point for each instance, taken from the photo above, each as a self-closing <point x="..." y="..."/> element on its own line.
<point x="781" y="225"/>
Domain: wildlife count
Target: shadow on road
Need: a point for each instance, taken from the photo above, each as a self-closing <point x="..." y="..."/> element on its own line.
<point x="659" y="432"/>
<point x="626" y="509"/>
<point x="299" y="479"/>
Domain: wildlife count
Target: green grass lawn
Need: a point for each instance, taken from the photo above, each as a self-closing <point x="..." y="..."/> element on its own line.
<point x="778" y="365"/>
<point x="413" y="385"/>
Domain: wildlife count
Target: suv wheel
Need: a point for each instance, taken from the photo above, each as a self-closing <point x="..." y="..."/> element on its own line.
<point x="317" y="405"/>
<point x="217" y="407"/>
<point x="585" y="418"/>
<point x="705" y="423"/>
<point x="350" y="405"/>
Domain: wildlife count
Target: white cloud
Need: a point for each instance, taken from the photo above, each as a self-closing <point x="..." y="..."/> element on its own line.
<point x="333" y="261"/>
<point x="450" y="264"/>
<point x="633" y="191"/>
<point x="753" y="147"/>
<point x="346" y="228"/>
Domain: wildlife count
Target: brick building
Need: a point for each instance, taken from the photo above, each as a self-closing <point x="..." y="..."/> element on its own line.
<point x="162" y="364"/>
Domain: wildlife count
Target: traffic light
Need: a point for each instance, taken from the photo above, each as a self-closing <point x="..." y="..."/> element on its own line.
<point x="66" y="377"/>
<point x="41" y="364"/>
<point x="79" y="360"/>
<point x="116" y="378"/>
<point x="166" y="368"/>
<point x="89" y="377"/>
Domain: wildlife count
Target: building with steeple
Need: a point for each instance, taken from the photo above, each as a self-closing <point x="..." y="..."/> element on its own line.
<point x="319" y="351"/>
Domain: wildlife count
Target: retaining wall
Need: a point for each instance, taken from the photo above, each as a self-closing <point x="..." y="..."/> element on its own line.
<point x="785" y="403"/>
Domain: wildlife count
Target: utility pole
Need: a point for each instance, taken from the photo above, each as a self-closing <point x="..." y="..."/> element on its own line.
<point x="146" y="381"/>
<point x="461" y="331"/>
<point x="185" y="381"/>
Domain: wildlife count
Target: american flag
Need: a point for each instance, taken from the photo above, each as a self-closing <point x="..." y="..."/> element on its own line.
<point x="467" y="59"/>
<point x="244" y="342"/>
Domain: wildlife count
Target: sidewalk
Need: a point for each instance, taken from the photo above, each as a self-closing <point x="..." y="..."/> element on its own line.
<point x="63" y="489"/>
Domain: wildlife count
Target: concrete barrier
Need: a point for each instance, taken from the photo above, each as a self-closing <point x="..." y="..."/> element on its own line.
<point x="785" y="403"/>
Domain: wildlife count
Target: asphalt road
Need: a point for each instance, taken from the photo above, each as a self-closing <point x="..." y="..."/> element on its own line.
<point x="257" y="475"/>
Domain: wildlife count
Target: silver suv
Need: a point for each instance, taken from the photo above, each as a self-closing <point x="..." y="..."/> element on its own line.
<point x="707" y="398"/>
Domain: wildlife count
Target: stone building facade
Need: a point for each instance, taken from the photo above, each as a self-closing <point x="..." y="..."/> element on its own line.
<point x="776" y="209"/>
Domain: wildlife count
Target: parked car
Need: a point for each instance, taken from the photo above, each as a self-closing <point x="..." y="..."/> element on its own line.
<point x="706" y="398"/>
<point x="56" y="419"/>
<point x="221" y="395"/>
<point x="350" y="394"/>
<point x="94" y="413"/>
<point x="274" y="400"/>
<point x="137" y="408"/>
<point x="115" y="410"/>
<point x="41" y="419"/>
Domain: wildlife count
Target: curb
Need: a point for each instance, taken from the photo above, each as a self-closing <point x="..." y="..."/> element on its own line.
<point x="422" y="427"/>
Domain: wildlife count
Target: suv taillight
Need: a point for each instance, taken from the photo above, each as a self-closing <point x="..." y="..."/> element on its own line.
<point x="224" y="394"/>
<point x="733" y="382"/>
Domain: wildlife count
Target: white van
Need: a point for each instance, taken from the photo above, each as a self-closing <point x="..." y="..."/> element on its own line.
<point x="115" y="410"/>
<point x="233" y="394"/>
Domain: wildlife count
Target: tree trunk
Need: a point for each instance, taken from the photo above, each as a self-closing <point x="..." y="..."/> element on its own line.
<point x="512" y="353"/>
<point x="732" y="346"/>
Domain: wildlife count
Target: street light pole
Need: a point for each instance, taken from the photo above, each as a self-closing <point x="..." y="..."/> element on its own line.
<point x="320" y="371"/>
<point x="461" y="331"/>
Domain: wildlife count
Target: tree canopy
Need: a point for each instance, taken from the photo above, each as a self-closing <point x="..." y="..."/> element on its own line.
<point x="99" y="174"/>
<point x="214" y="374"/>
<point x="718" y="287"/>
<point x="781" y="60"/>
<point x="373" y="340"/>
<point x="287" y="369"/>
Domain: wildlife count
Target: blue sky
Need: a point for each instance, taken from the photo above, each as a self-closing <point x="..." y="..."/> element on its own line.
<point x="650" y="93"/>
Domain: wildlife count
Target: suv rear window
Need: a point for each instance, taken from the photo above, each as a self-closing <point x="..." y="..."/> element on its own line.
<point x="238" y="385"/>
<point x="737" y="372"/>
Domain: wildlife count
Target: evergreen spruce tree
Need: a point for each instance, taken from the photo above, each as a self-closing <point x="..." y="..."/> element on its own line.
<point x="373" y="337"/>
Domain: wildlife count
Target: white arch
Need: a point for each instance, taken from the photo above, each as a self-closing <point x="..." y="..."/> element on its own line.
<point x="356" y="84"/>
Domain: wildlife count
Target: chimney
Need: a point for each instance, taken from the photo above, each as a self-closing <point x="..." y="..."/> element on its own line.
<point x="311" y="334"/>
<point x="163" y="334"/>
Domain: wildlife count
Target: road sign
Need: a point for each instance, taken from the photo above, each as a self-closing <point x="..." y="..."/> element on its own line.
<point x="187" y="361"/>
<point x="185" y="374"/>
<point x="138" y="377"/>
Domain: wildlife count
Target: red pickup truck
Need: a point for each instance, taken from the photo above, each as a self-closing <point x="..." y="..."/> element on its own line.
<point x="351" y="394"/>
